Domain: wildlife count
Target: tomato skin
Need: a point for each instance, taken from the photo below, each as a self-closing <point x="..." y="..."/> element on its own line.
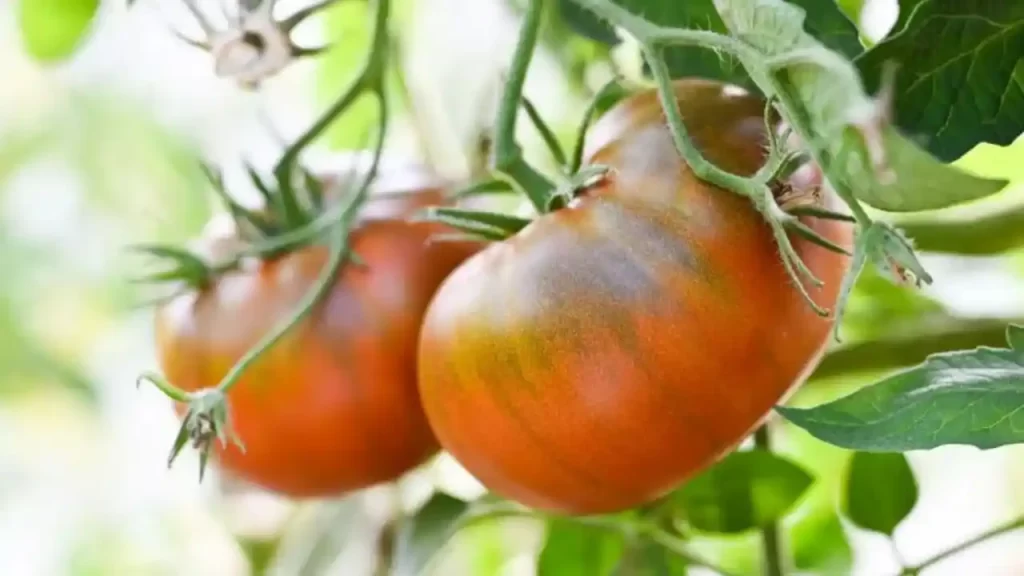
<point x="613" y="349"/>
<point x="333" y="406"/>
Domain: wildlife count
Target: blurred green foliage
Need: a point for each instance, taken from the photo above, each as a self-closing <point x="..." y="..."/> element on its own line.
<point x="52" y="30"/>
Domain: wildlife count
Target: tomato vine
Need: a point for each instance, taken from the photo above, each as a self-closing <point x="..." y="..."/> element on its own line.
<point x="207" y="416"/>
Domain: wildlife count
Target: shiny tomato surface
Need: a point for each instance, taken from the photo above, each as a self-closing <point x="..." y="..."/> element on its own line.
<point x="613" y="349"/>
<point x="334" y="405"/>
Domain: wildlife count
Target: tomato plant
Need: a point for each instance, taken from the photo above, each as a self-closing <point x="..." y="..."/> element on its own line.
<point x="333" y="406"/>
<point x="598" y="358"/>
<point x="643" y="331"/>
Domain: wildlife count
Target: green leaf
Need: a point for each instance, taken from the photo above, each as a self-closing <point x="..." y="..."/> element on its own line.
<point x="922" y="182"/>
<point x="873" y="162"/>
<point x="424" y="534"/>
<point x="961" y="72"/>
<point x="824" y="20"/>
<point x="346" y="24"/>
<point x="681" y="61"/>
<point x="851" y="8"/>
<point x="827" y="22"/>
<point x="973" y="397"/>
<point x="745" y="490"/>
<point x="879" y="492"/>
<point x="814" y="531"/>
<point x="1015" y="336"/>
<point x="574" y="549"/>
<point x="51" y="30"/>
<point x="643" y="557"/>
<point x="318" y="535"/>
<point x="819" y="544"/>
<point x="877" y="306"/>
<point x="583" y="22"/>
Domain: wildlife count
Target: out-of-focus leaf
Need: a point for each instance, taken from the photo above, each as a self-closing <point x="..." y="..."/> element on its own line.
<point x="425" y="533"/>
<point x="260" y="553"/>
<point x="921" y="182"/>
<point x="851" y="8"/>
<point x="52" y="30"/>
<point x="23" y="359"/>
<point x="319" y="534"/>
<point x="584" y="22"/>
<point x="745" y="490"/>
<point x="646" y="558"/>
<point x="138" y="170"/>
<point x="349" y="32"/>
<point x="487" y="548"/>
<point x="572" y="549"/>
<point x="17" y="149"/>
<point x="815" y="534"/>
<point x="878" y="305"/>
<point x="880" y="491"/>
<point x="831" y="25"/>
<point x="824" y="20"/>
<point x="819" y="545"/>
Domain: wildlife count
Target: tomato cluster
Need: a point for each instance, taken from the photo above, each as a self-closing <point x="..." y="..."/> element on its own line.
<point x="590" y="363"/>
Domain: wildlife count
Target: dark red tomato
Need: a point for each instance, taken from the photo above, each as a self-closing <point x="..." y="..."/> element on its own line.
<point x="334" y="405"/>
<point x="613" y="349"/>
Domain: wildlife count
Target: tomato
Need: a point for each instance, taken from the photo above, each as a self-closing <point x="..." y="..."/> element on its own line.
<point x="333" y="406"/>
<point x="613" y="349"/>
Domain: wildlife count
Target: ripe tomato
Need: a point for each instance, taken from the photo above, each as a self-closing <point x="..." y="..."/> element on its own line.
<point x="334" y="405"/>
<point x="612" y="349"/>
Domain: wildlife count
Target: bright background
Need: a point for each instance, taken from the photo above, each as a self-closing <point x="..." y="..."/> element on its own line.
<point x="93" y="157"/>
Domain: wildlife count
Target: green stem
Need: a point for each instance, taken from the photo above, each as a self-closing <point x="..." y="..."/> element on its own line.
<point x="508" y="156"/>
<point x="701" y="167"/>
<point x="799" y="123"/>
<point x="1010" y="526"/>
<point x="370" y="78"/>
<point x="652" y="38"/>
<point x="771" y="546"/>
<point x="336" y="258"/>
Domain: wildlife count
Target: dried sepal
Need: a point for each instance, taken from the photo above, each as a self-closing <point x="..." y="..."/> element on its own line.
<point x="254" y="46"/>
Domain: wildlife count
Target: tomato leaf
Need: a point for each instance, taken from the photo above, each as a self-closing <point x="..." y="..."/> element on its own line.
<point x="746" y="490"/>
<point x="879" y="492"/>
<point x="873" y="161"/>
<point x="682" y="61"/>
<point x="878" y="307"/>
<point x="315" y="540"/>
<point x="574" y="549"/>
<point x="585" y="23"/>
<point x="420" y="537"/>
<point x="973" y="397"/>
<point x="825" y="20"/>
<point x="52" y="30"/>
<point x="922" y="182"/>
<point x="961" y="72"/>
<point x="646" y="558"/>
<point x="819" y="543"/>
